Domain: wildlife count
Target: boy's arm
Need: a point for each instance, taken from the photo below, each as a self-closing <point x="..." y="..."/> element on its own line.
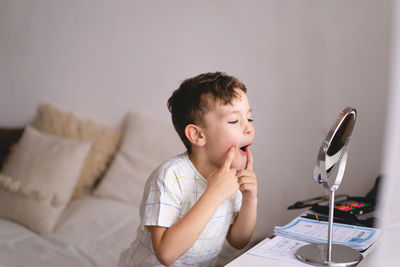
<point x="171" y="243"/>
<point x="242" y="229"/>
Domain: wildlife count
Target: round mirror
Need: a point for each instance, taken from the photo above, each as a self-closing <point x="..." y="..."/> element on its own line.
<point x="332" y="155"/>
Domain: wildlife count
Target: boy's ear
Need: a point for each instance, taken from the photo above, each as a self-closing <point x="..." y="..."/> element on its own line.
<point x="195" y="135"/>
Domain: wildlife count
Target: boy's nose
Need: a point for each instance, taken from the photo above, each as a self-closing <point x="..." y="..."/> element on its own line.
<point x="249" y="129"/>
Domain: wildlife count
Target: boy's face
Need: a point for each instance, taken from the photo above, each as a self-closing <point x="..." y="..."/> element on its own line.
<point x="229" y="125"/>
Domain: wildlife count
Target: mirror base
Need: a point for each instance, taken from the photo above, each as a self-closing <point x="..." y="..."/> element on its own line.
<point x="316" y="254"/>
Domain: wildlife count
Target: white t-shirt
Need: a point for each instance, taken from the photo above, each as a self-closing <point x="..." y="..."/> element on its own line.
<point x="170" y="192"/>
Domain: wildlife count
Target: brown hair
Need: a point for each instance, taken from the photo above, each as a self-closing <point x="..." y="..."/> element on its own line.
<point x="188" y="104"/>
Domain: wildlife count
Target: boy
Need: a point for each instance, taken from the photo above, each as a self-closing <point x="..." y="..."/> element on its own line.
<point x="194" y="200"/>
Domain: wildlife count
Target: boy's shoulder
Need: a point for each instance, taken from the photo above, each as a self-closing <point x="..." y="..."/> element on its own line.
<point x="172" y="167"/>
<point x="175" y="161"/>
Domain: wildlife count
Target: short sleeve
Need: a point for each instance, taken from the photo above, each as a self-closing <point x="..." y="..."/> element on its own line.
<point x="162" y="201"/>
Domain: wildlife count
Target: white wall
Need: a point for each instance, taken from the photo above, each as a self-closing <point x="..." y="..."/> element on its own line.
<point x="299" y="59"/>
<point x="389" y="212"/>
<point x="356" y="73"/>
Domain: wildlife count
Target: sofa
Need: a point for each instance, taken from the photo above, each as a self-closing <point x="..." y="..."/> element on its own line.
<point x="70" y="188"/>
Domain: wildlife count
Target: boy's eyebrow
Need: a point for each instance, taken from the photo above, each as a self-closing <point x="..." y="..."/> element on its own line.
<point x="238" y="111"/>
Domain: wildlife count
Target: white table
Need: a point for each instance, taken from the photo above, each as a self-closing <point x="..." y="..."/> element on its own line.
<point x="248" y="260"/>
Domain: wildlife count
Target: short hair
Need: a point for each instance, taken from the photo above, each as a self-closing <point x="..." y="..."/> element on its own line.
<point x="188" y="104"/>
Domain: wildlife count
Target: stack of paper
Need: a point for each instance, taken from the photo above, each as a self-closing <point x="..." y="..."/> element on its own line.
<point x="279" y="248"/>
<point x="312" y="231"/>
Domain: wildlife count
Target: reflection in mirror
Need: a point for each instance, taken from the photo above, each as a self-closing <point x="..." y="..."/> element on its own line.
<point x="337" y="146"/>
<point x="342" y="134"/>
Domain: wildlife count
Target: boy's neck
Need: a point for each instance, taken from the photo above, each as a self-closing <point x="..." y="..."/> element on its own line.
<point x="201" y="164"/>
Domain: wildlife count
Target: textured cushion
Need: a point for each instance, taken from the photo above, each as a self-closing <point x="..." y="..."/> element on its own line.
<point x="146" y="143"/>
<point x="104" y="141"/>
<point x="39" y="177"/>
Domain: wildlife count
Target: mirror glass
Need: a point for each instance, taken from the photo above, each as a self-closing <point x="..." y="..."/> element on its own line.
<point x="333" y="151"/>
<point x="337" y="145"/>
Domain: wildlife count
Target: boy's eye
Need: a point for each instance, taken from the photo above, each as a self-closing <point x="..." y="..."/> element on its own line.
<point x="233" y="122"/>
<point x="250" y="120"/>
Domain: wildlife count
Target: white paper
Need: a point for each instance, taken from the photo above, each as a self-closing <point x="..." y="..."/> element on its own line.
<point x="279" y="248"/>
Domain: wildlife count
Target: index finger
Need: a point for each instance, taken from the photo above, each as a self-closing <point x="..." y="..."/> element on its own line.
<point x="229" y="158"/>
<point x="249" y="163"/>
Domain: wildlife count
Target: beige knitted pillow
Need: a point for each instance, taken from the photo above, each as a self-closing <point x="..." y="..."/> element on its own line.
<point x="39" y="177"/>
<point x="104" y="141"/>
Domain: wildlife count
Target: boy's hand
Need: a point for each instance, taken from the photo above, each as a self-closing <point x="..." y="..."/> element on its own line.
<point x="248" y="180"/>
<point x="224" y="182"/>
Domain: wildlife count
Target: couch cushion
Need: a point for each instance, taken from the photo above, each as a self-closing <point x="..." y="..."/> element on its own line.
<point x="39" y="177"/>
<point x="146" y="143"/>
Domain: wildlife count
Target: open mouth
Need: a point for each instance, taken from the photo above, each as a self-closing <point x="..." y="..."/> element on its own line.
<point x="244" y="148"/>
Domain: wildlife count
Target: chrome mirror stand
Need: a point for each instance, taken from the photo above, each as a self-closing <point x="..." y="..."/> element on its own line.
<point x="333" y="150"/>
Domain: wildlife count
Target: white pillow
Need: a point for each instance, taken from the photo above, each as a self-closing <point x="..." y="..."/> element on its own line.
<point x="39" y="177"/>
<point x="146" y="144"/>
